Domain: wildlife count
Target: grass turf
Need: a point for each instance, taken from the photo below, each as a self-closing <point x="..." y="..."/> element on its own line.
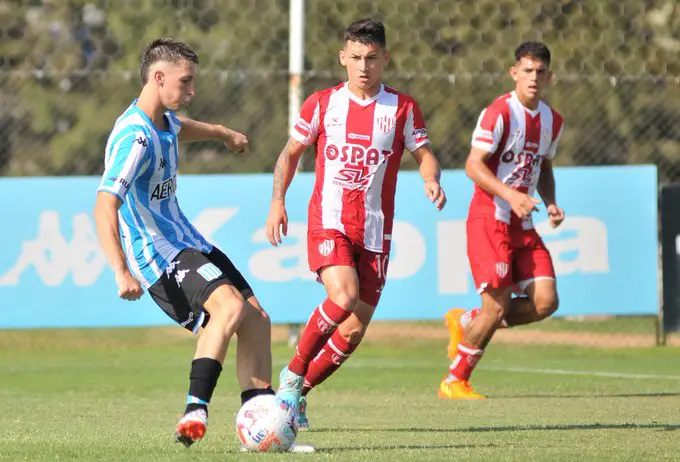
<point x="116" y="394"/>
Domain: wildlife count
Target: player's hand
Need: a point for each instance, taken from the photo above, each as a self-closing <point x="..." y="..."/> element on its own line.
<point x="555" y="215"/>
<point x="129" y="288"/>
<point x="435" y="193"/>
<point x="277" y="222"/>
<point x="237" y="142"/>
<point x="522" y="204"/>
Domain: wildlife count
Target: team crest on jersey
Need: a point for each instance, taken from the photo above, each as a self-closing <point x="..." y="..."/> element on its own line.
<point x="326" y="247"/>
<point x="209" y="272"/>
<point x="386" y="123"/>
<point x="502" y="269"/>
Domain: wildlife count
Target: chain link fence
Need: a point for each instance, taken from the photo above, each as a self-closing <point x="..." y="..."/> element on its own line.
<point x="68" y="68"/>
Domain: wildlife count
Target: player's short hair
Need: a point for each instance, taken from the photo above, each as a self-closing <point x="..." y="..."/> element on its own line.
<point x="538" y="50"/>
<point x="366" y="31"/>
<point x="165" y="49"/>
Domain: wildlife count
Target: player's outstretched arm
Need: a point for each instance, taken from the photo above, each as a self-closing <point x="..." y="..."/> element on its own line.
<point x="277" y="222"/>
<point x="194" y="130"/>
<point x="546" y="189"/>
<point x="476" y="168"/>
<point x="106" y="220"/>
<point x="431" y="173"/>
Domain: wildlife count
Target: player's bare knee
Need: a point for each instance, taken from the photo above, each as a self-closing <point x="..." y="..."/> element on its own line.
<point x="229" y="313"/>
<point x="347" y="298"/>
<point x="264" y="323"/>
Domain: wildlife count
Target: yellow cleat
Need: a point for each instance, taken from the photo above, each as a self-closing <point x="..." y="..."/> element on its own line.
<point x="452" y="321"/>
<point x="458" y="389"/>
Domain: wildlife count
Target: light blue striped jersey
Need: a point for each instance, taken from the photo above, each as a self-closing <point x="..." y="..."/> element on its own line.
<point x="141" y="170"/>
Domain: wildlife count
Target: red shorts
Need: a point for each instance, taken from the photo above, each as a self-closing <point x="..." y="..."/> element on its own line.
<point x="329" y="247"/>
<point x="501" y="255"/>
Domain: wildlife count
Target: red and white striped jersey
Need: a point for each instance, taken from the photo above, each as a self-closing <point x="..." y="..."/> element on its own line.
<point x="518" y="140"/>
<point x="358" y="146"/>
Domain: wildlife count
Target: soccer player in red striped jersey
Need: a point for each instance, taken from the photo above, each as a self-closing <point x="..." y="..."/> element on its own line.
<point x="359" y="130"/>
<point x="513" y="146"/>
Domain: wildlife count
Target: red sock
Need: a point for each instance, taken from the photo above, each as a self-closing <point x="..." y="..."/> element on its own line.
<point x="465" y="362"/>
<point x="321" y="325"/>
<point x="330" y="358"/>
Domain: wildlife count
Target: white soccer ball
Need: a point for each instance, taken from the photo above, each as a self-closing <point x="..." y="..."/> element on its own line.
<point x="266" y="424"/>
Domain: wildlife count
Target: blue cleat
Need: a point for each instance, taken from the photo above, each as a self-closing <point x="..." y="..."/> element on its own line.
<point x="290" y="387"/>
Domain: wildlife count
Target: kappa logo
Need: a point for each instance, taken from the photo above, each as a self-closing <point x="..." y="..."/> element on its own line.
<point x="161" y="164"/>
<point x="502" y="269"/>
<point x="326" y="247"/>
<point x="189" y="320"/>
<point x="179" y="276"/>
<point x="171" y="267"/>
<point x="143" y="141"/>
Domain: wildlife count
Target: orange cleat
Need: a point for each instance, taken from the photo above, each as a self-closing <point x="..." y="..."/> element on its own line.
<point x="452" y="321"/>
<point x="191" y="427"/>
<point x="458" y="389"/>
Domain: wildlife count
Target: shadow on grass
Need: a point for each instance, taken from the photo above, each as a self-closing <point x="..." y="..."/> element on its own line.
<point x="566" y="427"/>
<point x="397" y="447"/>
<point x="584" y="396"/>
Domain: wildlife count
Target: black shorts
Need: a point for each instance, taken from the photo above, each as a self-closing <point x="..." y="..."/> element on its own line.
<point x="188" y="281"/>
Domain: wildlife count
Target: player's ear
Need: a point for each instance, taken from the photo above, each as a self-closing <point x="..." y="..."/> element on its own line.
<point x="551" y="76"/>
<point x="387" y="56"/>
<point x="513" y="72"/>
<point x="341" y="55"/>
<point x="159" y="77"/>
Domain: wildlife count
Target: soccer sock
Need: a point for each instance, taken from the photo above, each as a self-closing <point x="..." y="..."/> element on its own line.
<point x="202" y="382"/>
<point x="464" y="363"/>
<point x="470" y="315"/>
<point x="253" y="392"/>
<point x="321" y="325"/>
<point x="330" y="358"/>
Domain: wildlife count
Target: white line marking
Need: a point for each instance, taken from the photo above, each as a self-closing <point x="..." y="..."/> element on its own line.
<point x="615" y="375"/>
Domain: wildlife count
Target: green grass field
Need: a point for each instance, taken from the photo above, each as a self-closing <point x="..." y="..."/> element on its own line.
<point x="116" y="395"/>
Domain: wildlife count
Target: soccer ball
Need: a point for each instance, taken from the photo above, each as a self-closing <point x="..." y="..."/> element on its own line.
<point x="266" y="424"/>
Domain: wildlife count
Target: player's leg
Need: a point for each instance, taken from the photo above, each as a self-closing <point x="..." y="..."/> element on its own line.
<point x="200" y="293"/>
<point x="339" y="346"/>
<point x="372" y="271"/>
<point x="253" y="348"/>
<point x="491" y="255"/>
<point x="331" y="256"/>
<point x="335" y="352"/>
<point x="475" y="339"/>
<point x="253" y="353"/>
<point x="535" y="274"/>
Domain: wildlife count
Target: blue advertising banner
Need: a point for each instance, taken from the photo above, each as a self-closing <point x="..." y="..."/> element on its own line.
<point x="53" y="274"/>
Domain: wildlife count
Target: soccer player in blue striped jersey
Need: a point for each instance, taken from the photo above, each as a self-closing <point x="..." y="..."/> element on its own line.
<point x="151" y="245"/>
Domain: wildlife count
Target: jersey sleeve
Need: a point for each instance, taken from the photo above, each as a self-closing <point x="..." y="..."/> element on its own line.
<point x="125" y="160"/>
<point x="489" y="130"/>
<point x="415" y="133"/>
<point x="306" y="128"/>
<point x="553" y="146"/>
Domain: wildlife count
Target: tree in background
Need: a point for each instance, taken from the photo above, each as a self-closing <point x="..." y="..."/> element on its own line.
<point x="70" y="67"/>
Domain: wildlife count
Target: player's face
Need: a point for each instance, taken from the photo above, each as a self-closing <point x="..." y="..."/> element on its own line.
<point x="364" y="63"/>
<point x="177" y="84"/>
<point x="531" y="75"/>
